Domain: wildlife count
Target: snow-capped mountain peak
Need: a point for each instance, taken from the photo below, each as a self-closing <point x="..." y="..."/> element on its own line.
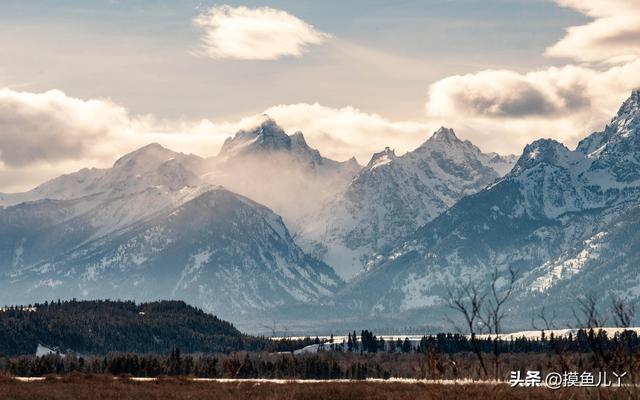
<point x="151" y="166"/>
<point x="565" y="219"/>
<point x="148" y="156"/>
<point x="545" y="151"/>
<point x="623" y="130"/>
<point x="394" y="195"/>
<point x="445" y="134"/>
<point x="266" y="136"/>
<point x="379" y="159"/>
<point x="629" y="112"/>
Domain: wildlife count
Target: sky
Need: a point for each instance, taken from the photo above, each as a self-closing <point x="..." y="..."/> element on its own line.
<point x="83" y="82"/>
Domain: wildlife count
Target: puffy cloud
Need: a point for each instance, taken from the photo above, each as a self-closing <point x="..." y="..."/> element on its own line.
<point x="504" y="110"/>
<point x="502" y="93"/>
<point x="254" y="33"/>
<point x="52" y="127"/>
<point x="46" y="134"/>
<point x="612" y="37"/>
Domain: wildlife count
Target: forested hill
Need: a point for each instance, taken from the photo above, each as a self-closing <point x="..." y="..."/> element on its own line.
<point x="100" y="327"/>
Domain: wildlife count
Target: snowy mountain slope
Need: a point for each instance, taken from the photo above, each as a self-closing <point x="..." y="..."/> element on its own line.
<point x="278" y="170"/>
<point x="93" y="203"/>
<point x="100" y="202"/>
<point x="392" y="196"/>
<point x="149" y="166"/>
<point x="220" y="251"/>
<point x="263" y="163"/>
<point x="151" y="218"/>
<point x="566" y="220"/>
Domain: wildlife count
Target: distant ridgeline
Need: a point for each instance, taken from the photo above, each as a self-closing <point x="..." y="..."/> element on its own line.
<point x="100" y="327"/>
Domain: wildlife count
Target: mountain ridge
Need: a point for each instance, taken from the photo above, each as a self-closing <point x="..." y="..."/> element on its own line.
<point x="565" y="219"/>
<point x="394" y="195"/>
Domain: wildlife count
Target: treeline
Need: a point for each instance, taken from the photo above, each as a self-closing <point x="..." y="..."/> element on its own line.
<point x="446" y="356"/>
<point x="103" y="326"/>
<point x="582" y="341"/>
<point x="323" y="365"/>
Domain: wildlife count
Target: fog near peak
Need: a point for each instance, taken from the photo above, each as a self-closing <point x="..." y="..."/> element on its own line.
<point x="290" y="185"/>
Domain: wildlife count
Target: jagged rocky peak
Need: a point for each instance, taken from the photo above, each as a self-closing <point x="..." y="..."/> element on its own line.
<point x="620" y="135"/>
<point x="266" y="135"/>
<point x="298" y="139"/>
<point x="445" y="134"/>
<point x="381" y="158"/>
<point x="299" y="145"/>
<point x="631" y="106"/>
<point x="444" y="139"/>
<point x="627" y="122"/>
<point x="543" y="151"/>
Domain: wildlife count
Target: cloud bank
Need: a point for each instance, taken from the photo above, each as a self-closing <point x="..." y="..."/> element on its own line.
<point x="43" y="135"/>
<point x="254" y="33"/>
<point x="504" y="110"/>
<point x="53" y="127"/>
<point x="612" y="37"/>
<point x="46" y="134"/>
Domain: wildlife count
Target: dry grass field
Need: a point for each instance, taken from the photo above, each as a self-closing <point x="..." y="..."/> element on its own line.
<point x="103" y="388"/>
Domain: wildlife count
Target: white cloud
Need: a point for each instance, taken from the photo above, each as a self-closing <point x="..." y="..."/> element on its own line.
<point x="504" y="110"/>
<point x="254" y="33"/>
<point x="612" y="37"/>
<point x="45" y="134"/>
<point x="52" y="126"/>
<point x="503" y="93"/>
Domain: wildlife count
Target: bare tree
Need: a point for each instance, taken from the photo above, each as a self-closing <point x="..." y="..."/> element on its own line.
<point x="561" y="347"/>
<point x="484" y="309"/>
<point x="548" y="321"/>
<point x="589" y="319"/>
<point x="468" y="301"/>
<point x="272" y="328"/>
<point x="588" y="316"/>
<point x="494" y="310"/>
<point x="624" y="314"/>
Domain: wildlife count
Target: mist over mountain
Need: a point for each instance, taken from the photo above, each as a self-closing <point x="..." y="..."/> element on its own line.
<point x="218" y="250"/>
<point x="280" y="171"/>
<point x="152" y="227"/>
<point x="151" y="166"/>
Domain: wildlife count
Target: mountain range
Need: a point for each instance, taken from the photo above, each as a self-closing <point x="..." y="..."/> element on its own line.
<point x="393" y="195"/>
<point x="271" y="227"/>
<point x="150" y="227"/>
<point x="564" y="219"/>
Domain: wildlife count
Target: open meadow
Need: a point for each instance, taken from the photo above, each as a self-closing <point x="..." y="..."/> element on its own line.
<point x="106" y="388"/>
